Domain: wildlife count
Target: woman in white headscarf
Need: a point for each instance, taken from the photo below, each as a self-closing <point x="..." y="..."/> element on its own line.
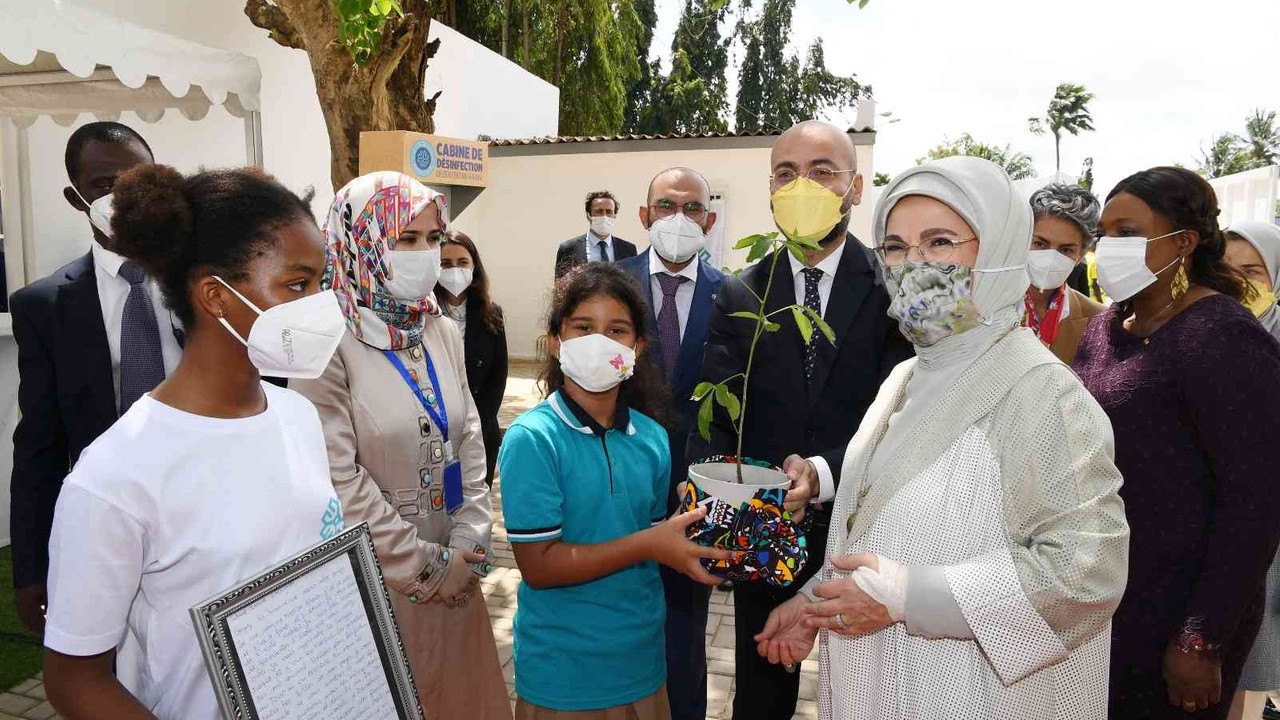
<point x="978" y="544"/>
<point x="1253" y="248"/>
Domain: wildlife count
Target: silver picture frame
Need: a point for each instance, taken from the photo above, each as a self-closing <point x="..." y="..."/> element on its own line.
<point x="218" y="643"/>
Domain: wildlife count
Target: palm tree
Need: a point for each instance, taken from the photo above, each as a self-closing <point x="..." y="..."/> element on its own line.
<point x="1069" y="112"/>
<point x="1262" y="138"/>
<point x="1225" y="156"/>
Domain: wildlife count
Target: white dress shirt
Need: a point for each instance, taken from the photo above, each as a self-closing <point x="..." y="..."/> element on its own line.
<point x="828" y="267"/>
<point x="113" y="290"/>
<point x="684" y="292"/>
<point x="826" y="481"/>
<point x="459" y="315"/>
<point x="593" y="248"/>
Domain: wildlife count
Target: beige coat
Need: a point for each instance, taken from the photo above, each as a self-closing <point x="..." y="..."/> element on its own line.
<point x="387" y="459"/>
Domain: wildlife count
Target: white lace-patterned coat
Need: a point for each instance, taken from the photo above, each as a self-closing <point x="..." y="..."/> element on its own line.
<point x="1006" y="493"/>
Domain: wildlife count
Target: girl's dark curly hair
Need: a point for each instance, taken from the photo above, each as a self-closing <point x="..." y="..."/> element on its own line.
<point x="173" y="225"/>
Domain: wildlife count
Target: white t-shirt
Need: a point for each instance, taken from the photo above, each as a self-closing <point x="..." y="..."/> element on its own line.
<point x="165" y="511"/>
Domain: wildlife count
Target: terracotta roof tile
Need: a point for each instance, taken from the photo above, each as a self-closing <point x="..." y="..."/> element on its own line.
<point x="551" y="139"/>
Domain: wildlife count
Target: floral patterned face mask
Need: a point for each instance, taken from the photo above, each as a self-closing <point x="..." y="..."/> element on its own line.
<point x="931" y="301"/>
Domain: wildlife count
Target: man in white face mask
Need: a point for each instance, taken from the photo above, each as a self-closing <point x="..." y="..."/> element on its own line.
<point x="598" y="244"/>
<point x="681" y="288"/>
<point x="1066" y="218"/>
<point x="93" y="337"/>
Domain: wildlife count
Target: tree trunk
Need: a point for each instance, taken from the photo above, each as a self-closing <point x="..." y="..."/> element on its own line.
<point x="386" y="93"/>
<point x="561" y="27"/>
<point x="525" y="36"/>
<point x="1057" y="153"/>
<point x="506" y="18"/>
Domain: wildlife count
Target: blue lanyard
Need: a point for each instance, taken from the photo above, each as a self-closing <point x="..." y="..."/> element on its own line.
<point x="441" y="418"/>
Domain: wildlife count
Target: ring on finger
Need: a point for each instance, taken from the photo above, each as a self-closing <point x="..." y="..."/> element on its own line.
<point x="1188" y="705"/>
<point x="840" y="621"/>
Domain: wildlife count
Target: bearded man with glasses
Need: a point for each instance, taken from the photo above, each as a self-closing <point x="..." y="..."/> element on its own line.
<point x="806" y="399"/>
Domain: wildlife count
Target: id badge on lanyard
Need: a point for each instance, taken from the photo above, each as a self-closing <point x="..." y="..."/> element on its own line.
<point x="453" y="496"/>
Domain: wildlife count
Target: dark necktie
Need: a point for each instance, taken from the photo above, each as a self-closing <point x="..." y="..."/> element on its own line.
<point x="604" y="251"/>
<point x="669" y="323"/>
<point x="141" y="361"/>
<point x="813" y="301"/>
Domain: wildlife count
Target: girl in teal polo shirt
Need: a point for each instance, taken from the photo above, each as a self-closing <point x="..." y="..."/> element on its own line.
<point x="584" y="480"/>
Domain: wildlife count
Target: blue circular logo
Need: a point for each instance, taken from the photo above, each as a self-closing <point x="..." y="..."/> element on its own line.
<point x="422" y="158"/>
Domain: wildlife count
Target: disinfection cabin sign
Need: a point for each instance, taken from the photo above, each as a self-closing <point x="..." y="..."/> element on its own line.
<point x="431" y="159"/>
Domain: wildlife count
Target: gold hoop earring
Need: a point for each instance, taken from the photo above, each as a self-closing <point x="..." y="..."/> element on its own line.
<point x="1180" y="283"/>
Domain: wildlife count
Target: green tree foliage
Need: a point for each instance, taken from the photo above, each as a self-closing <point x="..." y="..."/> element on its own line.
<point x="1018" y="165"/>
<point x="693" y="96"/>
<point x="640" y="89"/>
<point x="1068" y="112"/>
<point x="593" y="50"/>
<point x="880" y="179"/>
<point x="596" y="52"/>
<point x="1226" y="156"/>
<point x="1262" y="138"/>
<point x="775" y="90"/>
<point x="360" y="24"/>
<point x="1230" y="153"/>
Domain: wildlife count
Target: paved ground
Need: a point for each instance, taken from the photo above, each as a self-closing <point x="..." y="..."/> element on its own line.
<point x="27" y="700"/>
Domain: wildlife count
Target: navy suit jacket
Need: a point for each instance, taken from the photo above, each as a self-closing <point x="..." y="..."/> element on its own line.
<point x="573" y="252"/>
<point x="683" y="411"/>
<point x="788" y="415"/>
<point x="66" y="396"/>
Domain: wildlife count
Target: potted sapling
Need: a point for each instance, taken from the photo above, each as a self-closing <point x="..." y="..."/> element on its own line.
<point x="743" y="496"/>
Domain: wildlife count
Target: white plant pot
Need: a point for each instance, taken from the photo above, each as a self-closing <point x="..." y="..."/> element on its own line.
<point x="720" y="480"/>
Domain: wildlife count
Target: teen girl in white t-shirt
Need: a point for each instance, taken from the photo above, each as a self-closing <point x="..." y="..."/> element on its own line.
<point x="214" y="476"/>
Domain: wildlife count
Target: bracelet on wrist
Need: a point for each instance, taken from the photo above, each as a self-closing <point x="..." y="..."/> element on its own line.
<point x="1191" y="639"/>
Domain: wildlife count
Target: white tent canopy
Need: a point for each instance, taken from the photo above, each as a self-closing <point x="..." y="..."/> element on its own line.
<point x="64" y="60"/>
<point x="60" y="58"/>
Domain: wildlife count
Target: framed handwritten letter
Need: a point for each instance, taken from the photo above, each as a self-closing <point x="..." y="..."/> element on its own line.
<point x="314" y="637"/>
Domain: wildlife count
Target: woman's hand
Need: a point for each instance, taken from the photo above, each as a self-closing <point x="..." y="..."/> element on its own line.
<point x="667" y="544"/>
<point x="787" y="638"/>
<point x="846" y="609"/>
<point x="460" y="583"/>
<point x="1193" y="679"/>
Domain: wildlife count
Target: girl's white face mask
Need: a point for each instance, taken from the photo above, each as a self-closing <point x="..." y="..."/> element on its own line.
<point x="294" y="339"/>
<point x="595" y="362"/>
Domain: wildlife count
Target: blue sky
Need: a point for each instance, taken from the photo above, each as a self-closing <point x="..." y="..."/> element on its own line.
<point x="1168" y="75"/>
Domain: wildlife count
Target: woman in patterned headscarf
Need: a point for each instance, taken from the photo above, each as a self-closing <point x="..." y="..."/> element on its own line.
<point x="978" y="546"/>
<point x="405" y="446"/>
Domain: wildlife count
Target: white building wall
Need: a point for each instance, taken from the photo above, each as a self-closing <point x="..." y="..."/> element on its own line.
<point x="485" y="93"/>
<point x="535" y="201"/>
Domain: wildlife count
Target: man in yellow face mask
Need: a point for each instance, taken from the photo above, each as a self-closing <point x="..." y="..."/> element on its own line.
<point x="806" y="400"/>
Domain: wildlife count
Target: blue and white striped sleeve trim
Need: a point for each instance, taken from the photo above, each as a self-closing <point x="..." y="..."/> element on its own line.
<point x="658" y="521"/>
<point x="534" y="535"/>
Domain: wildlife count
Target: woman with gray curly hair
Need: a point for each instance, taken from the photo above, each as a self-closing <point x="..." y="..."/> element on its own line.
<point x="1066" y="222"/>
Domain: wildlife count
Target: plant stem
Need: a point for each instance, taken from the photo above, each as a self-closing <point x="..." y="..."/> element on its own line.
<point x="751" y="357"/>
